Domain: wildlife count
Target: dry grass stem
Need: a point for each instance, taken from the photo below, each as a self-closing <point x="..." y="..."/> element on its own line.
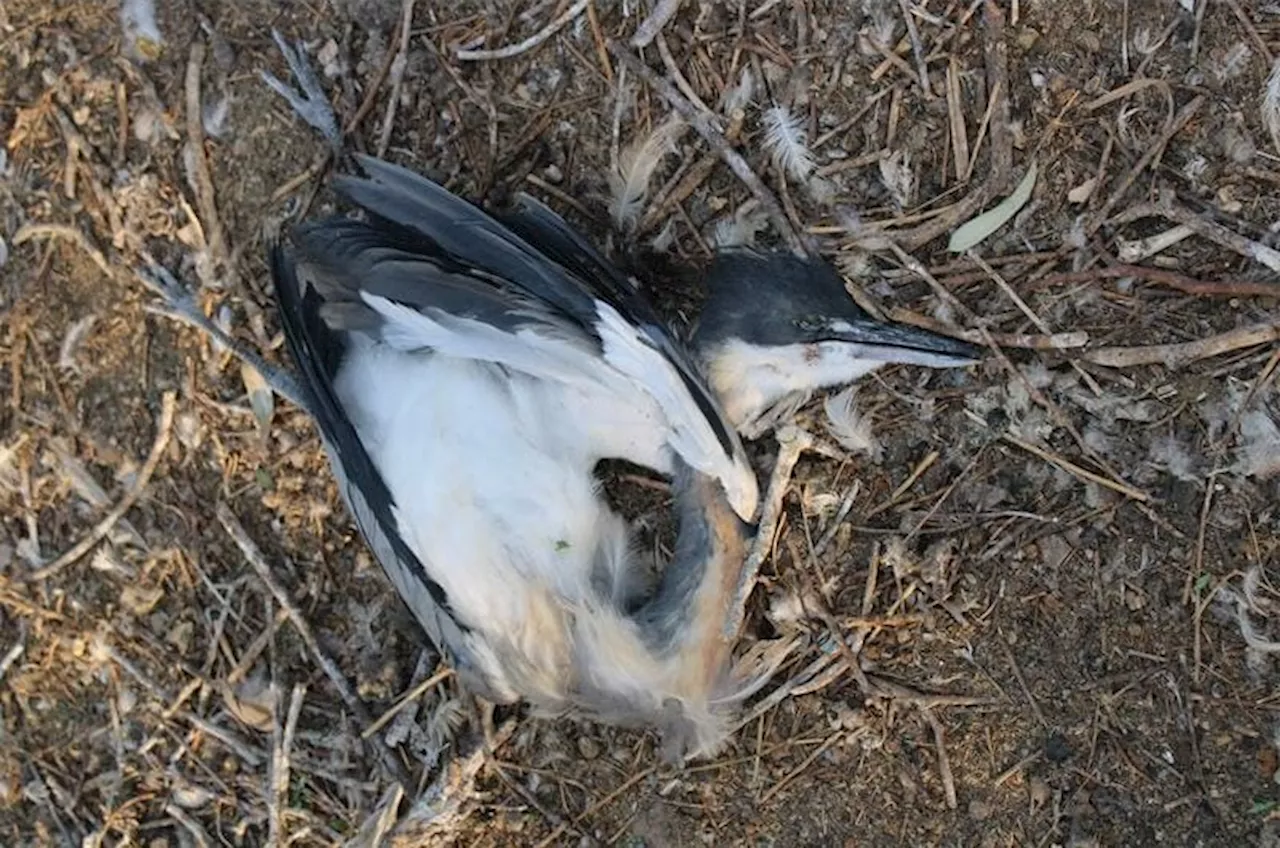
<point x="164" y="429"/>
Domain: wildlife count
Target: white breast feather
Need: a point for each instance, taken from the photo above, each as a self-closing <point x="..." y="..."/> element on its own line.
<point x="495" y="496"/>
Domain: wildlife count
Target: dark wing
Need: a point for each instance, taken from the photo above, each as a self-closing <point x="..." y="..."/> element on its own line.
<point x="532" y="269"/>
<point x="431" y="222"/>
<point x="318" y="352"/>
<point x="550" y="234"/>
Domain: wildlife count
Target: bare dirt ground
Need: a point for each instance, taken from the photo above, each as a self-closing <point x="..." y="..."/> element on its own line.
<point x="1048" y="565"/>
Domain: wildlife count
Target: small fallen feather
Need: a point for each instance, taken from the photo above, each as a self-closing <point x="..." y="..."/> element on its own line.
<point x="740" y="230"/>
<point x="666" y="237"/>
<point x="74" y="336"/>
<point x="1271" y="105"/>
<point x="784" y="139"/>
<point x="261" y="400"/>
<point x="849" y="427"/>
<point x="1249" y="602"/>
<point x="217" y="118"/>
<point x="630" y="183"/>
<point x="1258" y="454"/>
<point x="739" y="97"/>
<point x="973" y="232"/>
<point x="898" y="175"/>
<point x="142" y="38"/>
<point x="1232" y="63"/>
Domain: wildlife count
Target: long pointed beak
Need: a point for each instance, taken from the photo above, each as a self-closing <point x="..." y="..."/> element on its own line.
<point x="900" y="343"/>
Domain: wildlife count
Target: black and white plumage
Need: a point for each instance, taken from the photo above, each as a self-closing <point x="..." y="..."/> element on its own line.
<point x="466" y="381"/>
<point x="777" y="327"/>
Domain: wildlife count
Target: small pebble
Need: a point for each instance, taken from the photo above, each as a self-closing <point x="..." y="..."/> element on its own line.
<point x="588" y="747"/>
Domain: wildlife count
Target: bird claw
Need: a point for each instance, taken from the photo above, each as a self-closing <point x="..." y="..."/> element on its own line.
<point x="178" y="302"/>
<point x="179" y="299"/>
<point x="310" y="104"/>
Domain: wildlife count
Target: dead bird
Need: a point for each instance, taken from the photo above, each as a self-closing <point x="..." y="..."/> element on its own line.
<point x="467" y="372"/>
<point x="466" y="385"/>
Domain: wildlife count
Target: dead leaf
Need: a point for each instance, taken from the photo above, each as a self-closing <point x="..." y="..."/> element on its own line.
<point x="252" y="704"/>
<point x="260" y="398"/>
<point x="140" y="600"/>
<point x="1082" y="192"/>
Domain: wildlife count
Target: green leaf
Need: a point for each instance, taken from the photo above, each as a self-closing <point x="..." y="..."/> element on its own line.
<point x="1202" y="582"/>
<point x="972" y="232"/>
<point x="1262" y="807"/>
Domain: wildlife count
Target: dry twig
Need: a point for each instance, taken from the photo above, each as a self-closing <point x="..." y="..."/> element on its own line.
<point x="1179" y="354"/>
<point x="282" y="744"/>
<point x="253" y="556"/>
<point x="651" y="27"/>
<point x="1163" y="277"/>
<point x="398" y="66"/>
<point x="1077" y="471"/>
<point x="944" y="762"/>
<point x="792" y="442"/>
<point x="27" y="232"/>
<point x="1203" y="227"/>
<point x="706" y="127"/>
<point x="804" y="764"/>
<point x="598" y="805"/>
<point x="413" y="695"/>
<point x="1175" y="126"/>
<point x="206" y="200"/>
<point x="917" y="49"/>
<point x="164" y="429"/>
<point x="513" y="50"/>
<point x="1019" y="341"/>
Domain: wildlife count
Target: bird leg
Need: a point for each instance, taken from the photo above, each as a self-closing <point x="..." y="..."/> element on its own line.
<point x="310" y="103"/>
<point x="179" y="302"/>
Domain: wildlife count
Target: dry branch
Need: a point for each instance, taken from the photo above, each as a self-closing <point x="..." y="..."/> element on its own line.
<point x="1183" y="353"/>
<point x="253" y="556"/>
<point x="100" y="530"/>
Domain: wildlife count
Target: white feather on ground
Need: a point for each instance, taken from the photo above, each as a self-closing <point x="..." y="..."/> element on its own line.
<point x="1232" y="63"/>
<point x="849" y="427"/>
<point x="740" y="95"/>
<point x="142" y="38"/>
<point x="784" y="139"/>
<point x="898" y="175"/>
<point x="1171" y="455"/>
<point x="740" y="229"/>
<point x="1271" y="105"/>
<point x="1258" y="454"/>
<point x="629" y="186"/>
<point x="1244" y="604"/>
<point x="217" y="117"/>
